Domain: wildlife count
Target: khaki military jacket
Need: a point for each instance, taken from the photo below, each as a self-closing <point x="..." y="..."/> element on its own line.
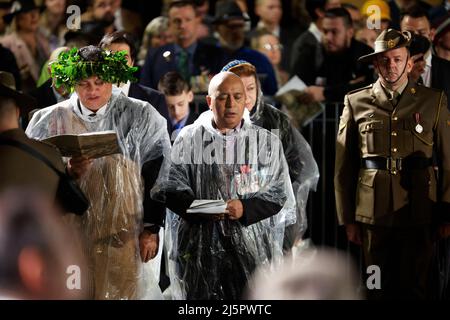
<point x="20" y="169"/>
<point x="371" y="126"/>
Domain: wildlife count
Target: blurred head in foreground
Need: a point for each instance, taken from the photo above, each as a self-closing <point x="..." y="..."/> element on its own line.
<point x="314" y="274"/>
<point x="38" y="254"/>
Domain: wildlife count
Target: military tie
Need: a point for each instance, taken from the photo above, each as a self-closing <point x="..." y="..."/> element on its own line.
<point x="394" y="98"/>
<point x="183" y="64"/>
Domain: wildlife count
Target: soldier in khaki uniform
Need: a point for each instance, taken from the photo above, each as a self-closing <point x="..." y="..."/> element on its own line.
<point x="18" y="168"/>
<point x="385" y="185"/>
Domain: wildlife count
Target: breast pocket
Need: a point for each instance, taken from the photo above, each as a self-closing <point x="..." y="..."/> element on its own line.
<point x="419" y="138"/>
<point x="372" y="137"/>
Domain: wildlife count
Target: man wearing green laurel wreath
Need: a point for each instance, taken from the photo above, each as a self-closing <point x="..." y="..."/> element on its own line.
<point x="120" y="229"/>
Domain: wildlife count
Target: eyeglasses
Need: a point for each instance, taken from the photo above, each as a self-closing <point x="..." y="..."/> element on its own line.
<point x="272" y="47"/>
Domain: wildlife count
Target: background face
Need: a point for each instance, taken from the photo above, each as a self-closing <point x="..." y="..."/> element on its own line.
<point x="227" y="102"/>
<point x="93" y="92"/>
<point x="179" y="105"/>
<point x="56" y="7"/>
<point x="391" y="64"/>
<point x="270" y="11"/>
<point x="232" y="33"/>
<point x="115" y="47"/>
<point x="416" y="25"/>
<point x="28" y="21"/>
<point x="251" y="91"/>
<point x="183" y="23"/>
<point x="103" y="10"/>
<point x="269" y="45"/>
<point x="335" y="35"/>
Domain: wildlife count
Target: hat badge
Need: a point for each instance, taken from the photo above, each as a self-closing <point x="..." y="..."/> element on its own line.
<point x="391" y="43"/>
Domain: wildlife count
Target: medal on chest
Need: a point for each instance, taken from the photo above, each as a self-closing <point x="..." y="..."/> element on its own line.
<point x="418" y="128"/>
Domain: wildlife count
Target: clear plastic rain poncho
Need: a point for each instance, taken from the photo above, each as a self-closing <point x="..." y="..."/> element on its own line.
<point x="114" y="186"/>
<point x="213" y="259"/>
<point x="303" y="169"/>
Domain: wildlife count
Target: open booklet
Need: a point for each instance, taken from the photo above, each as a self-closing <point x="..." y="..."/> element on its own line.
<point x="291" y="95"/>
<point x="91" y="145"/>
<point x="207" y="206"/>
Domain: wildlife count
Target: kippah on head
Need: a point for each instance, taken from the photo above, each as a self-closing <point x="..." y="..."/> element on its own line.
<point x="232" y="64"/>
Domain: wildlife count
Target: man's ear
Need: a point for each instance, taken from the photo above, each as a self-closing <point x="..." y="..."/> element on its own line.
<point x="432" y="33"/>
<point x="208" y="101"/>
<point x="319" y="12"/>
<point x="350" y="33"/>
<point x="190" y="96"/>
<point x="409" y="64"/>
<point x="31" y="269"/>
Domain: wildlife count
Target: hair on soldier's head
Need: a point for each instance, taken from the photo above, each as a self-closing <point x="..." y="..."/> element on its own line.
<point x="173" y="84"/>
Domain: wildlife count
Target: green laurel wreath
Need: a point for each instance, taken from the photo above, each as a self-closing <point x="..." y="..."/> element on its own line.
<point x="70" y="69"/>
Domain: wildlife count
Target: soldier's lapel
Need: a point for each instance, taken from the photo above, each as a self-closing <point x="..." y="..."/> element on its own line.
<point x="408" y="96"/>
<point x="380" y="98"/>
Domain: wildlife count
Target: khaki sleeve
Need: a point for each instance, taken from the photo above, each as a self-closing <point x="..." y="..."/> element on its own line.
<point x="346" y="166"/>
<point x="443" y="155"/>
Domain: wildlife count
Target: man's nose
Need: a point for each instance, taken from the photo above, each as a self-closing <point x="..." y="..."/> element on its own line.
<point x="230" y="102"/>
<point x="392" y="63"/>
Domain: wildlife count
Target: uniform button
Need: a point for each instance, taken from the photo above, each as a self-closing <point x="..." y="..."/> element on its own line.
<point x="393" y="133"/>
<point x="395" y="118"/>
<point x="394" y="149"/>
<point x="394" y="171"/>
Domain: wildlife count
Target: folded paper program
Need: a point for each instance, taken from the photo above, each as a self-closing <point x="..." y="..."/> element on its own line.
<point x="207" y="206"/>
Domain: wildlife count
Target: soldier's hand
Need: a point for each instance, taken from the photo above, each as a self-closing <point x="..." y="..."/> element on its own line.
<point x="353" y="231"/>
<point x="235" y="209"/>
<point x="148" y="245"/>
<point x="78" y="166"/>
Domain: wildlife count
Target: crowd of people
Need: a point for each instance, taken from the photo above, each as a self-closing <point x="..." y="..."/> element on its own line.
<point x="190" y="90"/>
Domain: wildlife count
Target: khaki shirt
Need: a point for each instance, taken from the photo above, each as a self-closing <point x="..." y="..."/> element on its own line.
<point x="371" y="126"/>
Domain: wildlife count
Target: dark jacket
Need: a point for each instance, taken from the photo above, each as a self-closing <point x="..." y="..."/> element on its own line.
<point x="152" y="96"/>
<point x="440" y="76"/>
<point x="159" y="61"/>
<point x="306" y="57"/>
<point x="339" y="71"/>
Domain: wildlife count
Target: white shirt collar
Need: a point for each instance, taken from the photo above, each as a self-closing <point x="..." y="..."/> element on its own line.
<point x="315" y="31"/>
<point x="124" y="87"/>
<point x="428" y="58"/>
<point x="276" y="31"/>
<point x="87" y="112"/>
